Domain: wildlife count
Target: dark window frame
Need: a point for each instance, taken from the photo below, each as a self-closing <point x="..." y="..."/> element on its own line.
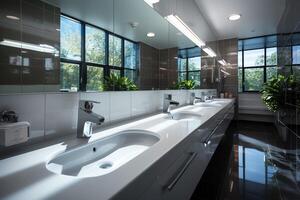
<point x="264" y="67"/>
<point x="291" y="65"/>
<point x="187" y="71"/>
<point x="107" y="68"/>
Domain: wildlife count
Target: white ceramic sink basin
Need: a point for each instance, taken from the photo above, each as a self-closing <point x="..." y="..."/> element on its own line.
<point x="185" y="115"/>
<point x="102" y="156"/>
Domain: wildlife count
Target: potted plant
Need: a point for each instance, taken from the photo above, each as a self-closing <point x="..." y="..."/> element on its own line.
<point x="186" y="84"/>
<point x="115" y="82"/>
<point x="273" y="91"/>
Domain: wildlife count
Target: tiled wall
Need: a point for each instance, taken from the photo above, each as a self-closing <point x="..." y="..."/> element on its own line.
<point x="56" y="113"/>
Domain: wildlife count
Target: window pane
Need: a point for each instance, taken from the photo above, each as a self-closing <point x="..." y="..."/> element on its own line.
<point x="296" y="54"/>
<point x="131" y="74"/>
<point x="240" y="76"/>
<point x="296" y="71"/>
<point x="94" y="78"/>
<point x="254" y="78"/>
<point x="69" y="76"/>
<point x="271" y="56"/>
<point x="240" y="59"/>
<point x="95" y="45"/>
<point x="70" y="39"/>
<point x="271" y="71"/>
<point x="130" y="51"/>
<point x="254" y="58"/>
<point x="181" y="64"/>
<point x="195" y="76"/>
<point x="115" y="71"/>
<point x="115" y="54"/>
<point x="194" y="63"/>
<point x="181" y="76"/>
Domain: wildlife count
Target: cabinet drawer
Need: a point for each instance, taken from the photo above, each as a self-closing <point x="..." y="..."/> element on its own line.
<point x="181" y="178"/>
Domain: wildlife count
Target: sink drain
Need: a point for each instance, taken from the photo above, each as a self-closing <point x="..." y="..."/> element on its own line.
<point x="105" y="165"/>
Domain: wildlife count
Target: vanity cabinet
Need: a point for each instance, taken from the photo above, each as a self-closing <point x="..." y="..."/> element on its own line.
<point x="176" y="175"/>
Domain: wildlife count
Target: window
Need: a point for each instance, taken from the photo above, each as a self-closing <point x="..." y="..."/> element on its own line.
<point x="95" y="76"/>
<point x="296" y="55"/>
<point x="257" y="62"/>
<point x="104" y="54"/>
<point x="115" y="51"/>
<point x="189" y="65"/>
<point x="254" y="58"/>
<point x="194" y="64"/>
<point x="69" y="76"/>
<point x="271" y="56"/>
<point x="254" y="79"/>
<point x="130" y="52"/>
<point x="94" y="45"/>
<point x="130" y="60"/>
<point x="115" y="71"/>
<point x="70" y="39"/>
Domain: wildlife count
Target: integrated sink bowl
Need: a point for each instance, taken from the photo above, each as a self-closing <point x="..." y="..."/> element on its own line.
<point x="103" y="156"/>
<point x="185" y="115"/>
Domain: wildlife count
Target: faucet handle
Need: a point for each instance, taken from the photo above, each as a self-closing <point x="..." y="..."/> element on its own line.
<point x="87" y="105"/>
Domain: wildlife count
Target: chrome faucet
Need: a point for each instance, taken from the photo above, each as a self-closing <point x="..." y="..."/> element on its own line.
<point x="194" y="99"/>
<point x="168" y="103"/>
<point x="87" y="119"/>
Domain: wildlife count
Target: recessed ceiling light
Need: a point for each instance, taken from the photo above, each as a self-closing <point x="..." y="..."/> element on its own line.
<point x="234" y="17"/>
<point x="12" y="17"/>
<point x="150" y="34"/>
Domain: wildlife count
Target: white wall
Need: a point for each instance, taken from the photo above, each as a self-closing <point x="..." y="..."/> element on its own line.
<point x="56" y="113"/>
<point x="252" y="108"/>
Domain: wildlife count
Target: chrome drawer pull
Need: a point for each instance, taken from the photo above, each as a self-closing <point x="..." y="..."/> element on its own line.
<point x="181" y="172"/>
<point x="207" y="140"/>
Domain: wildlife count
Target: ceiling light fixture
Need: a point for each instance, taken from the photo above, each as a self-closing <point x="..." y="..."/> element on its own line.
<point x="222" y="62"/>
<point x="23" y="45"/>
<point x="209" y="51"/>
<point x="224" y="72"/>
<point x="182" y="27"/>
<point x="234" y="17"/>
<point x="12" y="17"/>
<point x="150" y="34"/>
<point x="151" y="2"/>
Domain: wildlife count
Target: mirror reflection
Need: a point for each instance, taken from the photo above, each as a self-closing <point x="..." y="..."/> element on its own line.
<point x="97" y="46"/>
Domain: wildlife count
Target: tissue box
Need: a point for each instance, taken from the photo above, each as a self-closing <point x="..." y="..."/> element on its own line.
<point x="14" y="133"/>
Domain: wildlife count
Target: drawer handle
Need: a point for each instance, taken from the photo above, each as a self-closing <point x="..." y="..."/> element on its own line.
<point x="207" y="140"/>
<point x="181" y="172"/>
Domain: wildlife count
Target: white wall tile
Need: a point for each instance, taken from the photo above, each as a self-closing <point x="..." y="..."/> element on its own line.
<point x="61" y="113"/>
<point x="143" y="102"/>
<point x="29" y="107"/>
<point x="103" y="107"/>
<point x="57" y="113"/>
<point x="120" y="105"/>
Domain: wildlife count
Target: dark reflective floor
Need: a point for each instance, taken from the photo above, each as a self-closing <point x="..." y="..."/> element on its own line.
<point x="256" y="166"/>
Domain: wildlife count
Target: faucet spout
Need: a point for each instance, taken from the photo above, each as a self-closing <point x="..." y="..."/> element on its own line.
<point x="169" y="103"/>
<point x="87" y="119"/>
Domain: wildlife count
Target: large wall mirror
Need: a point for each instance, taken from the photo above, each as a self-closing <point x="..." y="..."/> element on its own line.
<point x="74" y="45"/>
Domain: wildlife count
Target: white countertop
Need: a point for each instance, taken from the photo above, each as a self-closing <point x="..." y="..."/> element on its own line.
<point x="25" y="176"/>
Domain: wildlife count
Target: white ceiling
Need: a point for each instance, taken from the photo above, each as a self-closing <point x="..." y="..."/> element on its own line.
<point x="259" y="17"/>
<point x="116" y="16"/>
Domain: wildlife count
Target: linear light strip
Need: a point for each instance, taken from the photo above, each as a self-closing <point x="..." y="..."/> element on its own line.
<point x="225" y="72"/>
<point x="182" y="27"/>
<point x="23" y="45"/>
<point x="222" y="62"/>
<point x="209" y="51"/>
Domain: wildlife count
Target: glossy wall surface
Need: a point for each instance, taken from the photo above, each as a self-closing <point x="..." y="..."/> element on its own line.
<point x="29" y="46"/>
